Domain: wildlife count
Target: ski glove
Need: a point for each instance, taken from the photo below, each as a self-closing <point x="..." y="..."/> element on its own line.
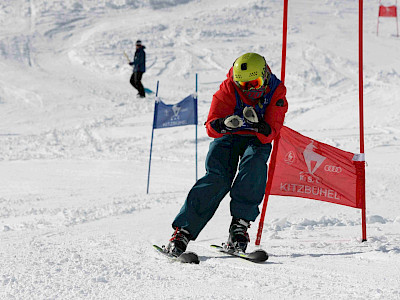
<point x="263" y="128"/>
<point x="251" y="118"/>
<point x="250" y="115"/>
<point x="222" y="125"/>
<point x="233" y="122"/>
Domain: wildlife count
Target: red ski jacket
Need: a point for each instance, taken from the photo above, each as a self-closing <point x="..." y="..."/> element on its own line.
<point x="224" y="102"/>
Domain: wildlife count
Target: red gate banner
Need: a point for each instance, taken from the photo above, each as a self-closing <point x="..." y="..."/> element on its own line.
<point x="290" y="169"/>
<point x="310" y="169"/>
<point x="388" y="11"/>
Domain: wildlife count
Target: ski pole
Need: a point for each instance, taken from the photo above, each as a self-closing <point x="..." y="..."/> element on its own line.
<point x="127" y="58"/>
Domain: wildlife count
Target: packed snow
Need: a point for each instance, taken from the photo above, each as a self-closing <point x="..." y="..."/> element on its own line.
<point x="75" y="219"/>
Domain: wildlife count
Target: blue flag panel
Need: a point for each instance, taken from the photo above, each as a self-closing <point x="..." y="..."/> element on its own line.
<point x="180" y="114"/>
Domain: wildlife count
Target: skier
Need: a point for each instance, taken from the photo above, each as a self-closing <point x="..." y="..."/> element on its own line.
<point x="245" y="116"/>
<point x="139" y="67"/>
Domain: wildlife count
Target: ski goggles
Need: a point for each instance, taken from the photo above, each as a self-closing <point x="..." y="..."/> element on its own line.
<point x="251" y="85"/>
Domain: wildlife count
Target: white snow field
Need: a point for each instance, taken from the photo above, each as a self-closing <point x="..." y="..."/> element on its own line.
<point x="75" y="219"/>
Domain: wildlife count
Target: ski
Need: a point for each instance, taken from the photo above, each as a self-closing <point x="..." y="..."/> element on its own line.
<point x="257" y="256"/>
<point x="186" y="257"/>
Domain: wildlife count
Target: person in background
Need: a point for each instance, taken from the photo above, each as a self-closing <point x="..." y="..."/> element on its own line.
<point x="246" y="114"/>
<point x="139" y="67"/>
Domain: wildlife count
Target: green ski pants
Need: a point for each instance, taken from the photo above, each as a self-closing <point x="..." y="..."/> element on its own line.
<point x="228" y="155"/>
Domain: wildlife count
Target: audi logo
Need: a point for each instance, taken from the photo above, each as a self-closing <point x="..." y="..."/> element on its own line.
<point x="332" y="169"/>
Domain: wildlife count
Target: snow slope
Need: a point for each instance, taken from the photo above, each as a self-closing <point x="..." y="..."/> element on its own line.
<point x="75" y="219"/>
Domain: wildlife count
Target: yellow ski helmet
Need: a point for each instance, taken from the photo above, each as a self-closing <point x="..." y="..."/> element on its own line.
<point x="250" y="66"/>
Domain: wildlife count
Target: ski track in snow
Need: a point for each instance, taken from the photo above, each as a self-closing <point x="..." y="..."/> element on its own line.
<point x="75" y="219"/>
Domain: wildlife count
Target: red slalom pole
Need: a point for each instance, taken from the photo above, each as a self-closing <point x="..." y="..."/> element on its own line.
<point x="377" y="23"/>
<point x="361" y="113"/>
<point x="276" y="141"/>
<point x="397" y="21"/>
<point x="267" y="190"/>
<point x="284" y="40"/>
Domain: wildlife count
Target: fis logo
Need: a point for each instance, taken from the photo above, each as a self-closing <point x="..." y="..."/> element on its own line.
<point x="290" y="157"/>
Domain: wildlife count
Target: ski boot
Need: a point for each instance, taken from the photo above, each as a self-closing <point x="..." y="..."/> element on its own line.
<point x="238" y="236"/>
<point x="178" y="242"/>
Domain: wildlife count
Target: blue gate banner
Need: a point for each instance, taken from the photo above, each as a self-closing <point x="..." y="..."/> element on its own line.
<point x="180" y="114"/>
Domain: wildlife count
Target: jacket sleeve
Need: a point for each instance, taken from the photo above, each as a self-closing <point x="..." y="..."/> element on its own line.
<point x="275" y="114"/>
<point x="222" y="105"/>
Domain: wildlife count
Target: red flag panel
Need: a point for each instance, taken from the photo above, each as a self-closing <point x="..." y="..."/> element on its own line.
<point x="310" y="169"/>
<point x="388" y="11"/>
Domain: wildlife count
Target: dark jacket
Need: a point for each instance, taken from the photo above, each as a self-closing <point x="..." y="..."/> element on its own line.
<point x="139" y="61"/>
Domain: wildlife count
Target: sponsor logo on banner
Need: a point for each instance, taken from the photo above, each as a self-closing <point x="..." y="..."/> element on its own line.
<point x="308" y="181"/>
<point x="333" y="169"/>
<point x="175" y="119"/>
<point x="176" y="109"/>
<point x="310" y="156"/>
